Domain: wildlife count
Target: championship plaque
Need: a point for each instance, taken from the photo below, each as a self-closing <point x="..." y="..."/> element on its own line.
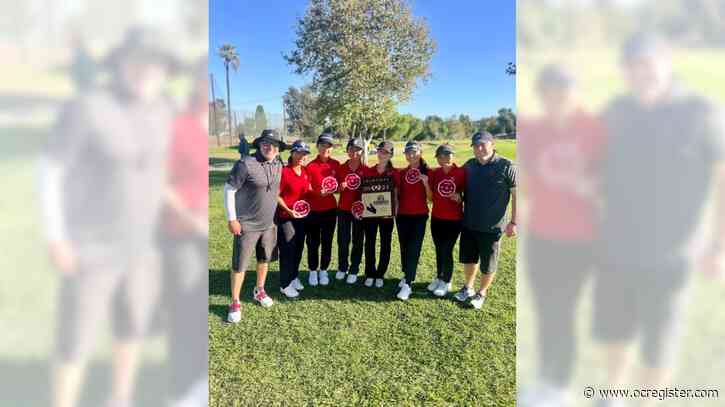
<point x="377" y="196"/>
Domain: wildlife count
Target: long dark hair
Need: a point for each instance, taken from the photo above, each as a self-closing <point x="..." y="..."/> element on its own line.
<point x="423" y="166"/>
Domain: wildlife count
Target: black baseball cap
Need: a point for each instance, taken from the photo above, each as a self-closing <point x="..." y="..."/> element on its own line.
<point x="355" y="143"/>
<point x="446" y="149"/>
<point x="300" y="146"/>
<point x="326" y="138"/>
<point x="386" y="146"/>
<point x="413" y="145"/>
<point x="481" y="137"/>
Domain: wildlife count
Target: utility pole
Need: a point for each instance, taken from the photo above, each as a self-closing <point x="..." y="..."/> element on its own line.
<point x="213" y="106"/>
<point x="284" y="123"/>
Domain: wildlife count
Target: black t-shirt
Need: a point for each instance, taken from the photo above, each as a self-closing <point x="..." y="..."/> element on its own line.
<point x="657" y="175"/>
<point x="487" y="193"/>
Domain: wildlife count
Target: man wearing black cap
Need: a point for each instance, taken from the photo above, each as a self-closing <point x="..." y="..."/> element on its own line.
<point x="250" y="200"/>
<point x="490" y="186"/>
<point x="664" y="160"/>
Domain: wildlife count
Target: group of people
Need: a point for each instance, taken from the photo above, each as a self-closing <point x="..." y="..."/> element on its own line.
<point x="270" y="205"/>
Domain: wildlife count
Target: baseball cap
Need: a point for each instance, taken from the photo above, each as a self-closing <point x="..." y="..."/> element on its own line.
<point x="386" y="146"/>
<point x="481" y="137"/>
<point x="355" y="143"/>
<point x="326" y="138"/>
<point x="413" y="145"/>
<point x="300" y="146"/>
<point x="446" y="149"/>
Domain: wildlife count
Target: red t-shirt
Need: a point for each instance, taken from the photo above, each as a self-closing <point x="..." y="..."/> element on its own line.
<point x="444" y="207"/>
<point x="559" y="164"/>
<point x="348" y="196"/>
<point x="413" y="200"/>
<point x="188" y="167"/>
<point x="317" y="171"/>
<point x="292" y="188"/>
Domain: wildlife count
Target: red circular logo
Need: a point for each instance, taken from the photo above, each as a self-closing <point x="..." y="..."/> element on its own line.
<point x="329" y="184"/>
<point x="412" y="176"/>
<point x="353" y="181"/>
<point x="357" y="209"/>
<point x="447" y="188"/>
<point x="302" y="208"/>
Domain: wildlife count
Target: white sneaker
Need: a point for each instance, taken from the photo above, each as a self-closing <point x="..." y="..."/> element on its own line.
<point x="434" y="284"/>
<point x="234" y="313"/>
<point x="290" y="291"/>
<point x="442" y="289"/>
<point x="478" y="300"/>
<point x="404" y="292"/>
<point x="379" y="282"/>
<point x="324" y="279"/>
<point x="368" y="282"/>
<point x="351" y="278"/>
<point x="339" y="275"/>
<point x="313" y="278"/>
<point x="401" y="283"/>
<point x="262" y="298"/>
<point x="297" y="284"/>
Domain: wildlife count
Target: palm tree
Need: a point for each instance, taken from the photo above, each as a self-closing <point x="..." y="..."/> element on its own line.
<point x="228" y="53"/>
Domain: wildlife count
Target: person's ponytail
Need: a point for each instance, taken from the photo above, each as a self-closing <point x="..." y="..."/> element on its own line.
<point x="424" y="166"/>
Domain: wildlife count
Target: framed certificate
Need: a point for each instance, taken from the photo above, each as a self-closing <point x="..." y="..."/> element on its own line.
<point x="378" y="196"/>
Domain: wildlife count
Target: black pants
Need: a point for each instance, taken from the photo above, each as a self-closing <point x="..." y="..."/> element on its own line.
<point x="372" y="225"/>
<point x="445" y="234"/>
<point x="349" y="228"/>
<point x="291" y="242"/>
<point x="561" y="267"/>
<point x="320" y="229"/>
<point x="411" y="232"/>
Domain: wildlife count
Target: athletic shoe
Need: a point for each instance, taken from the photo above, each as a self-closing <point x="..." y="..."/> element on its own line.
<point x="262" y="298"/>
<point x="478" y="300"/>
<point x="401" y="283"/>
<point x="442" y="289"/>
<point x="433" y="284"/>
<point x="324" y="279"/>
<point x="368" y="282"/>
<point x="339" y="275"/>
<point x="404" y="292"/>
<point x="234" y="313"/>
<point x="290" y="291"/>
<point x="297" y="284"/>
<point x="379" y="282"/>
<point x="351" y="278"/>
<point x="313" y="278"/>
<point x="464" y="294"/>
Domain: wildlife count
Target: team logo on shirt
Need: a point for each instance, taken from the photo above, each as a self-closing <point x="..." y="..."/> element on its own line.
<point x="446" y="188"/>
<point x="301" y="208"/>
<point x="329" y="184"/>
<point x="353" y="181"/>
<point x="357" y="209"/>
<point x="412" y="176"/>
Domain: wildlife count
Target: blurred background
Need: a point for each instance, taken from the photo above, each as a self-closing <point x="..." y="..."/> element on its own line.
<point x="620" y="137"/>
<point x="111" y="95"/>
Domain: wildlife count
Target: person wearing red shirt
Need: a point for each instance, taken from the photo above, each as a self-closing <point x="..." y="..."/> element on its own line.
<point x="560" y="154"/>
<point x="294" y="187"/>
<point x="412" y="217"/>
<point x="321" y="222"/>
<point x="371" y="225"/>
<point x="446" y="183"/>
<point x="349" y="226"/>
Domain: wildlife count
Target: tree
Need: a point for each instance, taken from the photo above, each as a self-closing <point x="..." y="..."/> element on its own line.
<point x="228" y="53"/>
<point x="250" y="127"/>
<point x="506" y="121"/>
<point x="511" y="69"/>
<point x="364" y="57"/>
<point x="260" y="119"/>
<point x="466" y="125"/>
<point x="301" y="108"/>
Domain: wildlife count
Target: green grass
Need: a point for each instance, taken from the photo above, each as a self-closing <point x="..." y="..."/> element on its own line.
<point x="352" y="345"/>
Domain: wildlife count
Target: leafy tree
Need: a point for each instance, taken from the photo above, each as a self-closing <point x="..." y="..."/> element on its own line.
<point x="260" y="119"/>
<point x="301" y="108"/>
<point x="364" y="57"/>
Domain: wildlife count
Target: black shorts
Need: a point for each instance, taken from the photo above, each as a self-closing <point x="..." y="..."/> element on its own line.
<point x="263" y="242"/>
<point x="475" y="246"/>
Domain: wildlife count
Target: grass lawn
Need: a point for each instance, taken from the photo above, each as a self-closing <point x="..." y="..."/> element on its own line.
<point x="353" y="345"/>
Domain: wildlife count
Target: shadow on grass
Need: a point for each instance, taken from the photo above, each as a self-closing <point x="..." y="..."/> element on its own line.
<point x="337" y="290"/>
<point x="221" y="162"/>
<point x="217" y="178"/>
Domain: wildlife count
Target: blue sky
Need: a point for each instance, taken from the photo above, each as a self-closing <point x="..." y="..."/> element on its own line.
<point x="475" y="40"/>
